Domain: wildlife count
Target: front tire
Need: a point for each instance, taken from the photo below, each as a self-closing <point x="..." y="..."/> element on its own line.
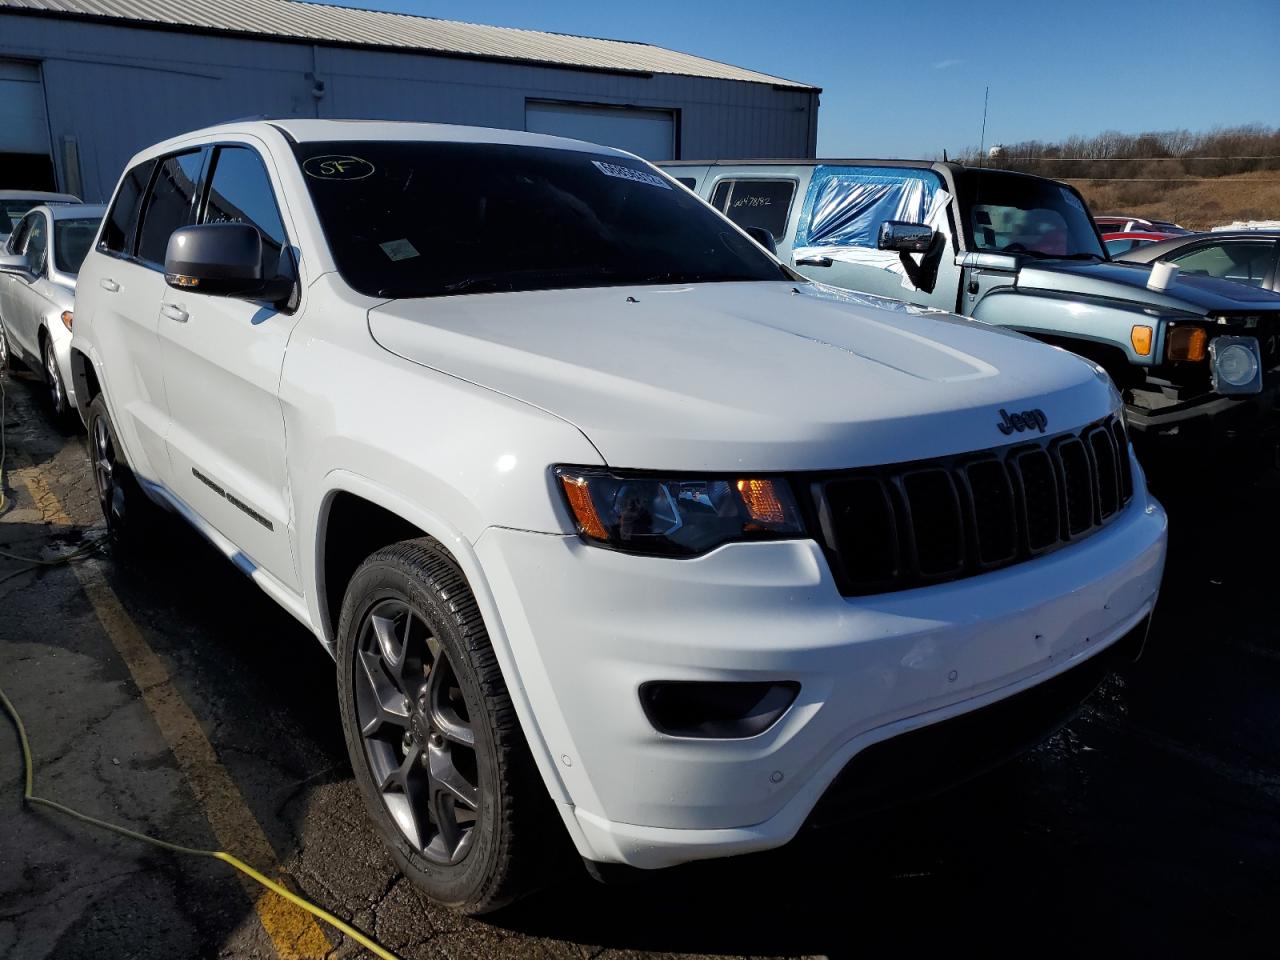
<point x="437" y="750"/>
<point x="53" y="380"/>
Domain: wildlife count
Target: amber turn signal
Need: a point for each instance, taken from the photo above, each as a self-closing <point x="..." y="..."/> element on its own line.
<point x="1140" y="337"/>
<point x="66" y="319"/>
<point x="584" y="510"/>
<point x="1188" y="343"/>
<point x="762" y="501"/>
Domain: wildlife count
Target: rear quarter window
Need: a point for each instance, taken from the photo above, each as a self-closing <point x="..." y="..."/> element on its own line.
<point x="122" y="219"/>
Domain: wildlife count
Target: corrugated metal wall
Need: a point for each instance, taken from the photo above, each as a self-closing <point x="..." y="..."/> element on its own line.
<point x="116" y="89"/>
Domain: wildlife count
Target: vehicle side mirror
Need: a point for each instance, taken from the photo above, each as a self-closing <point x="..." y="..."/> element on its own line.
<point x="220" y="259"/>
<point x="15" y="263"/>
<point x="904" y="237"/>
<point x="763" y="237"/>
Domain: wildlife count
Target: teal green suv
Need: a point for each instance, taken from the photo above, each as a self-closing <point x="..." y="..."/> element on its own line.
<point x="1197" y="357"/>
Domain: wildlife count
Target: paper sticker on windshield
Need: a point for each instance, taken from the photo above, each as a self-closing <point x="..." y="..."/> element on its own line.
<point x="1072" y="199"/>
<point x="337" y="167"/>
<point x="399" y="249"/>
<point x="630" y="173"/>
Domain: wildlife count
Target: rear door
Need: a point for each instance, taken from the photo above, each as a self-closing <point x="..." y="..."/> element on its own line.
<point x="119" y="291"/>
<point x="222" y="359"/>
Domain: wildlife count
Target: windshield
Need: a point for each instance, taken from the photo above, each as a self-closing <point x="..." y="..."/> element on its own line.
<point x="424" y="219"/>
<point x="71" y="242"/>
<point x="1009" y="213"/>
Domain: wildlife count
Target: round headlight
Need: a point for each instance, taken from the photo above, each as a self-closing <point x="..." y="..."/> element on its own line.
<point x="1237" y="365"/>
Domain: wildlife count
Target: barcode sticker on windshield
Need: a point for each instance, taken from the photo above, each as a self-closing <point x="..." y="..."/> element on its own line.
<point x="399" y="249"/>
<point x="630" y="173"/>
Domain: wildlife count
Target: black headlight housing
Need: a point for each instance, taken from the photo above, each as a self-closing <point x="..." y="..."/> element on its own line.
<point x="676" y="516"/>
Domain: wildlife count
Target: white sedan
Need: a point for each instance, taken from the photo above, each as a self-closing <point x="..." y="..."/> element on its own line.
<point x="38" y="268"/>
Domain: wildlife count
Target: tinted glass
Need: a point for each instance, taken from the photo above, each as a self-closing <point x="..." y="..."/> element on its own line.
<point x="419" y="219"/>
<point x="1246" y="262"/>
<point x="169" y="204"/>
<point x="240" y="192"/>
<point x="122" y="219"/>
<point x="1008" y="213"/>
<point x="71" y="242"/>
<point x="756" y="203"/>
<point x="11" y="212"/>
<point x="19" y="234"/>
<point x="36" y="244"/>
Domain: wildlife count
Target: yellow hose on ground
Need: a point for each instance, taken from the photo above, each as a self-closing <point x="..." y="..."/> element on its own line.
<point x="29" y="798"/>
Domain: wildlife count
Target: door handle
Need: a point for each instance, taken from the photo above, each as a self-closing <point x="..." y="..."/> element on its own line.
<point x="106" y="283"/>
<point x="814" y="262"/>
<point x="174" y="312"/>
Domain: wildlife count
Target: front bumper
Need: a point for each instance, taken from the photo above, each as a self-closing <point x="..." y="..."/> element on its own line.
<point x="588" y="626"/>
<point x="1208" y="419"/>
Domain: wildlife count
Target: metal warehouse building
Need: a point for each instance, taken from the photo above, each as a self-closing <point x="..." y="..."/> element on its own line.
<point x="86" y="83"/>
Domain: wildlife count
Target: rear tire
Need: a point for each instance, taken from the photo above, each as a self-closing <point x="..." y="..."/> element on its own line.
<point x="132" y="517"/>
<point x="438" y="753"/>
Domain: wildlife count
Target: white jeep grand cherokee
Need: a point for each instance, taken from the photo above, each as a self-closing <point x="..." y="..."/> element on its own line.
<point x="601" y="511"/>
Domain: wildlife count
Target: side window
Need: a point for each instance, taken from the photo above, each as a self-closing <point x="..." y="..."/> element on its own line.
<point x="240" y="192"/>
<point x="19" y="235"/>
<point x="846" y="205"/>
<point x="37" y="241"/>
<point x="169" y="205"/>
<point x="1244" y="262"/>
<point x="122" y="221"/>
<point x="756" y="203"/>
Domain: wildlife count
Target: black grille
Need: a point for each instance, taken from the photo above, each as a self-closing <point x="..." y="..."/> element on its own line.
<point x="905" y="525"/>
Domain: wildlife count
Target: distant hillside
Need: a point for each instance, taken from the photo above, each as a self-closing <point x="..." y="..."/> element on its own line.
<point x="1199" y="180"/>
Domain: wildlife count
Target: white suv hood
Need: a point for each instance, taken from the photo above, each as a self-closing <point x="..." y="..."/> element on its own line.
<point x="755" y="376"/>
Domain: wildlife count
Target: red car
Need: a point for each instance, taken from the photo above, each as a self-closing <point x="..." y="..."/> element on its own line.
<point x="1118" y="244"/>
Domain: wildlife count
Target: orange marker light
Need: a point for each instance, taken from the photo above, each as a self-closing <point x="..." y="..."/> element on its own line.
<point x="1140" y="337"/>
<point x="1188" y="343"/>
<point x="66" y="319"/>
<point x="762" y="501"/>
<point x="584" y="510"/>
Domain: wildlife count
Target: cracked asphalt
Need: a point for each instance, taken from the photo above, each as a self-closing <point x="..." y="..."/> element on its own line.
<point x="1150" y="822"/>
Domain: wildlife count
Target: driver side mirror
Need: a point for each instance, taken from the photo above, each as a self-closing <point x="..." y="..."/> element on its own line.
<point x="222" y="260"/>
<point x="15" y="263"/>
<point x="763" y="237"/>
<point x="904" y="237"/>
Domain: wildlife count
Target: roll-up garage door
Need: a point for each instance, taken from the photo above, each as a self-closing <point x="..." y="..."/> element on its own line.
<point x="649" y="133"/>
<point x="24" y="129"/>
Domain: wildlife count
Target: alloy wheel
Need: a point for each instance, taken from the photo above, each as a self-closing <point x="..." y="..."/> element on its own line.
<point x="53" y="377"/>
<point x="104" y="463"/>
<point x="417" y="734"/>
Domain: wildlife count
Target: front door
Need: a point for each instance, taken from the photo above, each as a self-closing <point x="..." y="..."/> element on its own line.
<point x="222" y="359"/>
<point x="838" y="230"/>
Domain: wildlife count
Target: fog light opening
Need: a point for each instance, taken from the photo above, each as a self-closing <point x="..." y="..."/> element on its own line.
<point x="723" y="710"/>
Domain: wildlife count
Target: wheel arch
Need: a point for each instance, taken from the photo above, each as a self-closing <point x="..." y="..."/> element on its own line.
<point x="86" y="383"/>
<point x="349" y="498"/>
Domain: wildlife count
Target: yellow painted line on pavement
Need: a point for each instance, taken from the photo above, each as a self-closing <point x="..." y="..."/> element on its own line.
<point x="294" y="933"/>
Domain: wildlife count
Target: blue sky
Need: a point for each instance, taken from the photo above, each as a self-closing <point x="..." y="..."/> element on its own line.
<point x="906" y="78"/>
